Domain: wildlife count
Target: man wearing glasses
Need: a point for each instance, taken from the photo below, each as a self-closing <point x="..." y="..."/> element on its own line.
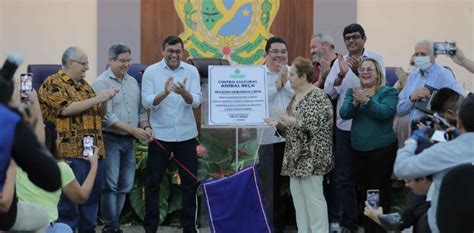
<point x="70" y="102"/>
<point x="342" y="77"/>
<point x="125" y="121"/>
<point x="272" y="146"/>
<point x="171" y="89"/>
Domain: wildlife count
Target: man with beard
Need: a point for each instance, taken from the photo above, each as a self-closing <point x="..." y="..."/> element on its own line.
<point x="272" y="146"/>
<point x="324" y="56"/>
<point x="342" y="77"/>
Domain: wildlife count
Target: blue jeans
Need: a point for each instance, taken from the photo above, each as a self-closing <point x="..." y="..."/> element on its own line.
<point x="59" y="228"/>
<point x="82" y="216"/>
<point x="119" y="176"/>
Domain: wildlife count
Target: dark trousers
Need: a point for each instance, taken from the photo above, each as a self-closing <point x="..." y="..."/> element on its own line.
<point x="271" y="159"/>
<point x="345" y="179"/>
<point x="82" y="217"/>
<point x="373" y="170"/>
<point x="157" y="162"/>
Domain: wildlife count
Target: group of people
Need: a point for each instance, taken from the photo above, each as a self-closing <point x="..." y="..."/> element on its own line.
<point x="333" y="169"/>
<point x="60" y="190"/>
<point x="331" y="124"/>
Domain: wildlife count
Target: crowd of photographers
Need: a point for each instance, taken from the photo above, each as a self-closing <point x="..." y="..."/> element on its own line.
<point x="433" y="118"/>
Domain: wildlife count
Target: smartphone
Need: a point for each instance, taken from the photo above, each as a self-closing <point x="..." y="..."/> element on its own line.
<point x="373" y="198"/>
<point x="26" y="84"/>
<point x="446" y="48"/>
<point x="88" y="143"/>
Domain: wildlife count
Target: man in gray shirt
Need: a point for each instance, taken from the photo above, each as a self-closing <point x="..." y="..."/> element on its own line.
<point x="439" y="158"/>
<point x="125" y="121"/>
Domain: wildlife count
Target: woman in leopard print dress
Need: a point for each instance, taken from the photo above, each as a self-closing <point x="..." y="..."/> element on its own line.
<point x="307" y="126"/>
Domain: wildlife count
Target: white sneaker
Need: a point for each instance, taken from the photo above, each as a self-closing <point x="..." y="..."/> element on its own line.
<point x="334" y="227"/>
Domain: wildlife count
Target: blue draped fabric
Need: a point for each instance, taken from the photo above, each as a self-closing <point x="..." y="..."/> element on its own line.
<point x="235" y="204"/>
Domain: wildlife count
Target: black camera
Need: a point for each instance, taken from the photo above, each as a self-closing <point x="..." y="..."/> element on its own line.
<point x="426" y="120"/>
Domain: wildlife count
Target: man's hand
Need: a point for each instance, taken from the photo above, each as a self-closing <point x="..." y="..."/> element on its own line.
<point x="372" y="213"/>
<point x="343" y="65"/>
<point x="401" y="75"/>
<point x="151" y="134"/>
<point x="458" y="56"/>
<point x="169" y="86"/>
<point x="180" y="88"/>
<point x="107" y="94"/>
<point x="420" y="94"/>
<point x="354" y="64"/>
<point x="141" y="134"/>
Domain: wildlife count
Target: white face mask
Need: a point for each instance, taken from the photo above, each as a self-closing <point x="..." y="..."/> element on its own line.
<point x="423" y="62"/>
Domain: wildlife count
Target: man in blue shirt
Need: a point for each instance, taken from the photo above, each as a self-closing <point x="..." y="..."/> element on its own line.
<point x="428" y="73"/>
<point x="171" y="89"/>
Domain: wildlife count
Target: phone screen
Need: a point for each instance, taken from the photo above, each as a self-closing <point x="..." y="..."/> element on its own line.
<point x="444" y="47"/>
<point x="26" y="84"/>
<point x="88" y="143"/>
<point x="373" y="198"/>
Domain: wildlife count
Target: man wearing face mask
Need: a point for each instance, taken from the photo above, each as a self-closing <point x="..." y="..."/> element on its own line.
<point x="429" y="73"/>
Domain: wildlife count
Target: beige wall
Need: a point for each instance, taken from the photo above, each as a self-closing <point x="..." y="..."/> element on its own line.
<point x="393" y="28"/>
<point x="42" y="29"/>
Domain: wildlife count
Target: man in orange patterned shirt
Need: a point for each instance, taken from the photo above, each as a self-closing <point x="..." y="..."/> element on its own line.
<point x="71" y="103"/>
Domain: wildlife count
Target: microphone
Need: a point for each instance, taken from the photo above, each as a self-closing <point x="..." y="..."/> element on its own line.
<point x="11" y="64"/>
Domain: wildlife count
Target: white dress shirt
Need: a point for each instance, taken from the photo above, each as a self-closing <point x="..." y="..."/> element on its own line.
<point x="172" y="120"/>
<point x="276" y="99"/>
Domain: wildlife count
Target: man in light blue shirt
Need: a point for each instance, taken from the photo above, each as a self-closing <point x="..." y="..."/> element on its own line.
<point x="439" y="158"/>
<point x="428" y="73"/>
<point x="171" y="89"/>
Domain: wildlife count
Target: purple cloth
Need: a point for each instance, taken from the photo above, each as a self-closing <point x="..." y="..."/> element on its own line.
<point x="235" y="204"/>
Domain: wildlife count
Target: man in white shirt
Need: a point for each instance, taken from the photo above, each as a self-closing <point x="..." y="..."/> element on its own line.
<point x="272" y="146"/>
<point x="171" y="89"/>
<point x="342" y="77"/>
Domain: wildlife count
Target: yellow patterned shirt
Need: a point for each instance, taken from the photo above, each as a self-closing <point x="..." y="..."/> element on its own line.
<point x="56" y="93"/>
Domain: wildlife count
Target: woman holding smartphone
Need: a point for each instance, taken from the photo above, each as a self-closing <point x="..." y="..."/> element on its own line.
<point x="77" y="193"/>
<point x="372" y="107"/>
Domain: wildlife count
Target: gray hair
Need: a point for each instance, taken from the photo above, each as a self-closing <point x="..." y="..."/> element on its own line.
<point x="426" y="42"/>
<point x="324" y="38"/>
<point x="71" y="53"/>
<point x="117" y="49"/>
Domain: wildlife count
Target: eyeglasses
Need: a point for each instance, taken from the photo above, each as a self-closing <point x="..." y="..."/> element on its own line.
<point x="177" y="52"/>
<point x="365" y="70"/>
<point x="353" y="37"/>
<point x="276" y="51"/>
<point x="83" y="63"/>
<point x="124" y="61"/>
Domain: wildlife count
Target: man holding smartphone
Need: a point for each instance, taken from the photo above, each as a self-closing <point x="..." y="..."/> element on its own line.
<point x="124" y="122"/>
<point x="171" y="89"/>
<point x="70" y="102"/>
<point x="429" y="73"/>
